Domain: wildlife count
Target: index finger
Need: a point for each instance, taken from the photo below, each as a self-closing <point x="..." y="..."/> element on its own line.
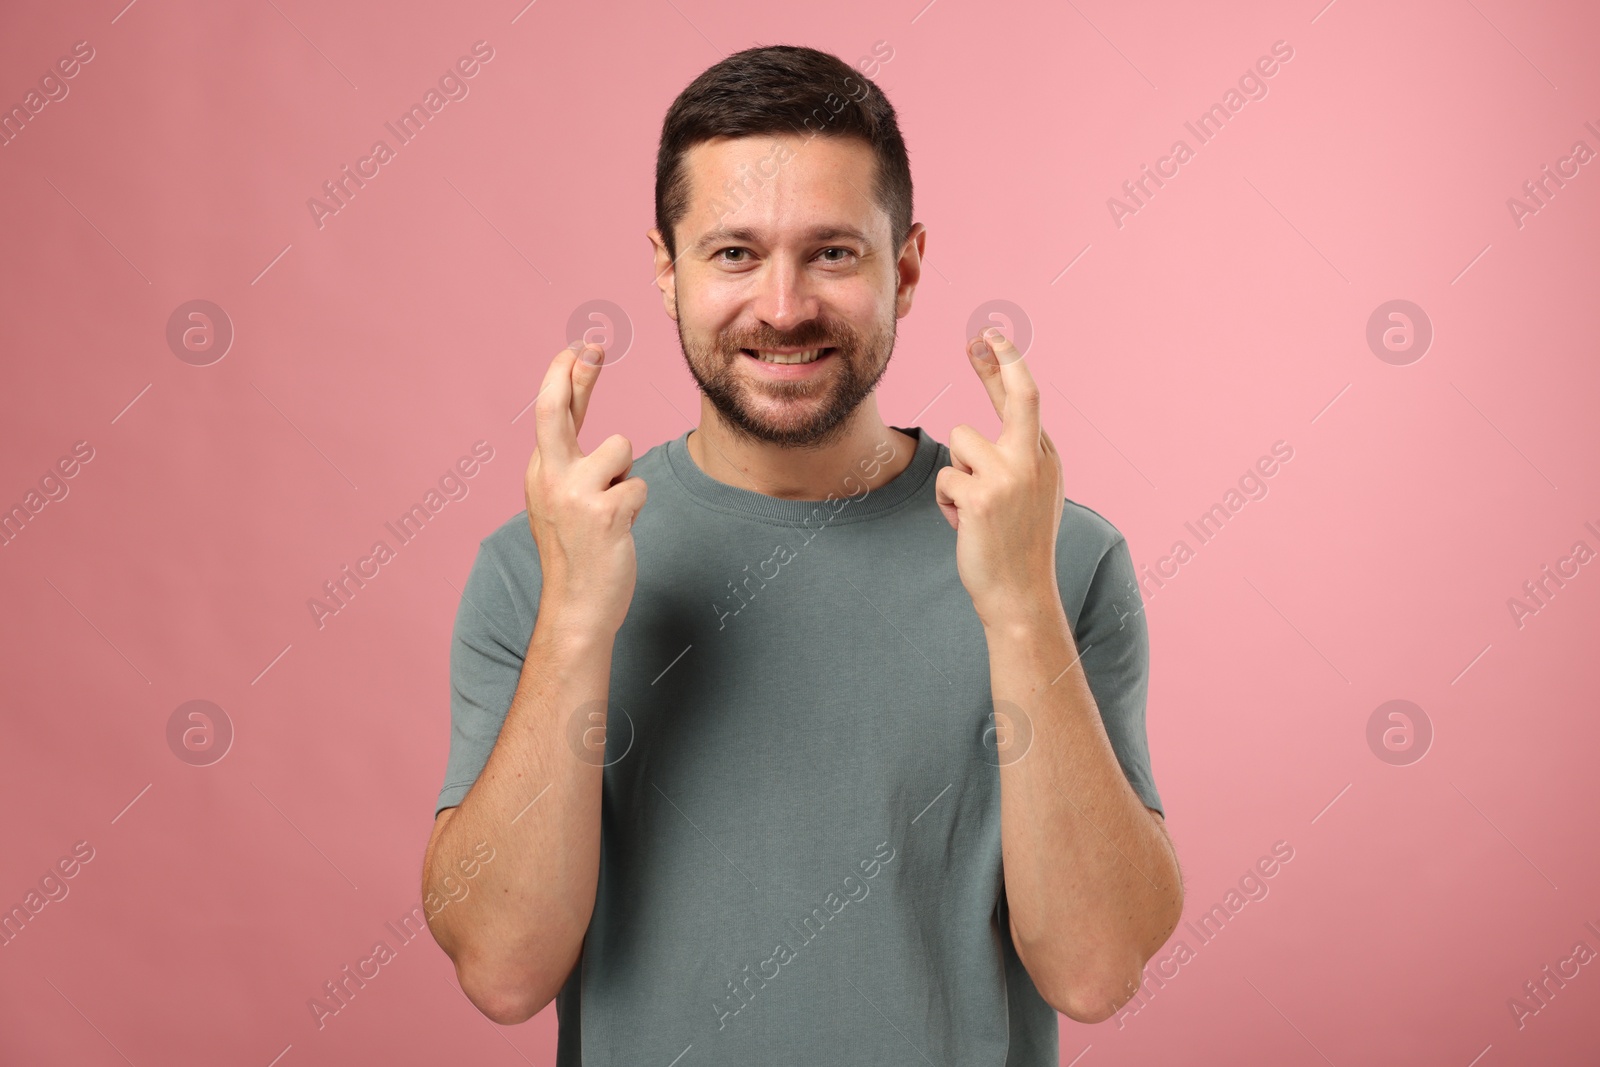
<point x="1020" y="418"/>
<point x="552" y="409"/>
<point x="584" y="377"/>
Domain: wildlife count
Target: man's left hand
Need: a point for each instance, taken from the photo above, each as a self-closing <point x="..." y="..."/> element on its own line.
<point x="1004" y="497"/>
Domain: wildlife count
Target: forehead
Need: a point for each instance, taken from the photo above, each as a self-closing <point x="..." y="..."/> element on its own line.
<point x="782" y="185"/>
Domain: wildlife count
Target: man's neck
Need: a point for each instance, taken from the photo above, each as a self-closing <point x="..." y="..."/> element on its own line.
<point x="841" y="468"/>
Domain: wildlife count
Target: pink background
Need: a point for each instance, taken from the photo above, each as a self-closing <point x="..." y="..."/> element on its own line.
<point x="369" y="355"/>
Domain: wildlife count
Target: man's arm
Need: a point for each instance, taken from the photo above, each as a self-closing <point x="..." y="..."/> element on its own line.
<point x="515" y="937"/>
<point x="536" y="802"/>
<point x="1092" y="882"/>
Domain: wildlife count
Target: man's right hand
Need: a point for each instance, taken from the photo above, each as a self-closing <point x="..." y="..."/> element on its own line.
<point x="581" y="509"/>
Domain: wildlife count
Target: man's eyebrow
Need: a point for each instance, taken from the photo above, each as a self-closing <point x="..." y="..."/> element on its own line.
<point x="748" y="236"/>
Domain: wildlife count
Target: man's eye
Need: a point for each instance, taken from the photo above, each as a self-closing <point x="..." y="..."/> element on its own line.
<point x="846" y="251"/>
<point x="725" y="251"/>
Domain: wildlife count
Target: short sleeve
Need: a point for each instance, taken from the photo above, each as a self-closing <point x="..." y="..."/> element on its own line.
<point x="1114" y="643"/>
<point x="487" y="646"/>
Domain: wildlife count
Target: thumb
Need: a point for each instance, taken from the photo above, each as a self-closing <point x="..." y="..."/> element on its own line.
<point x="943" y="483"/>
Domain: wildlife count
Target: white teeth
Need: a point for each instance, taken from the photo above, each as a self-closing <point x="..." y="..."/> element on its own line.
<point x="798" y="357"/>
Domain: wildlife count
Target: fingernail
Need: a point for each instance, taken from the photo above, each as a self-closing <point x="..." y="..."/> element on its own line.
<point x="978" y="350"/>
<point x="590" y="356"/>
<point x="994" y="333"/>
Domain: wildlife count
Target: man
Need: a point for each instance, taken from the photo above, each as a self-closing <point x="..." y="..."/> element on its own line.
<point x="749" y="760"/>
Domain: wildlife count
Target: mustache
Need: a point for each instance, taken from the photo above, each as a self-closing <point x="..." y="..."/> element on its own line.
<point x="804" y="341"/>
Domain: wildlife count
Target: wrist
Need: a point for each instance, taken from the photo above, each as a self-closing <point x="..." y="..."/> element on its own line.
<point x="1017" y="618"/>
<point x="574" y="619"/>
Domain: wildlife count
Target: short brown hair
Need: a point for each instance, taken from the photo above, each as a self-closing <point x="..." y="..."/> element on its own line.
<point x="782" y="89"/>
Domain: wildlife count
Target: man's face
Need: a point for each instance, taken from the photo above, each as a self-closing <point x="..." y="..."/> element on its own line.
<point x="782" y="248"/>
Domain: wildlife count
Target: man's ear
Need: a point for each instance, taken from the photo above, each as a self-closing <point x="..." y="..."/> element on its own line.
<point x="909" y="268"/>
<point x="666" y="273"/>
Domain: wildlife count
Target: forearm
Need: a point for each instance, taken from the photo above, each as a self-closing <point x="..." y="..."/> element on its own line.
<point x="1092" y="883"/>
<point x="517" y="933"/>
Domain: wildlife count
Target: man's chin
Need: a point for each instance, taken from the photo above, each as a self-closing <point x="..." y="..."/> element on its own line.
<point x="793" y="428"/>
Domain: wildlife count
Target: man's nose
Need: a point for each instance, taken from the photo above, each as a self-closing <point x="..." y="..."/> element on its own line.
<point x="786" y="297"/>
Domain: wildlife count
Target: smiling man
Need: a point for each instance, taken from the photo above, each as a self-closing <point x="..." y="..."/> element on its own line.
<point x="801" y="738"/>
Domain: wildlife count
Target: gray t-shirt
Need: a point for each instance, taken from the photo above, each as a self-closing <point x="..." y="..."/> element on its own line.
<point x="800" y="824"/>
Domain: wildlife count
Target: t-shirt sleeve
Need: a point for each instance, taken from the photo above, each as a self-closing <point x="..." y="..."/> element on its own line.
<point x="1114" y="643"/>
<point x="485" y="664"/>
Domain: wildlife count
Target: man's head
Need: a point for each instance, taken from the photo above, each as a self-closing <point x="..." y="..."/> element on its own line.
<point x="783" y="221"/>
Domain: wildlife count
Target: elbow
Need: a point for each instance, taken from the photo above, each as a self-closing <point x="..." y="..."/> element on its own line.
<point x="504" y="1010"/>
<point x="507" y="1011"/>
<point x="504" y="1002"/>
<point x="1100" y="991"/>
<point x="1090" y="993"/>
<point x="1093" y="1002"/>
<point x="1095" y="988"/>
<point x="503" y="985"/>
<point x="504" y="989"/>
<point x="1089" y="990"/>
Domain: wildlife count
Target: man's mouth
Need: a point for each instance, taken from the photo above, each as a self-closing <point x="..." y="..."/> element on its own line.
<point x="809" y="355"/>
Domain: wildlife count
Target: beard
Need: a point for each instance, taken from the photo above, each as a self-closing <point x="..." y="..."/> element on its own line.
<point x="747" y="405"/>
